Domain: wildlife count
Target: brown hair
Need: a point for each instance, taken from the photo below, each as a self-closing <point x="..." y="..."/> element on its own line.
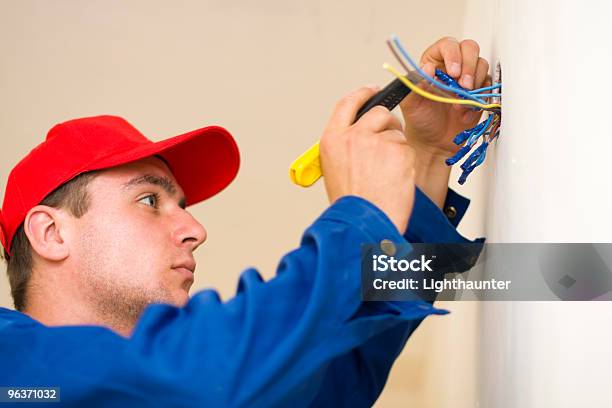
<point x="72" y="196"/>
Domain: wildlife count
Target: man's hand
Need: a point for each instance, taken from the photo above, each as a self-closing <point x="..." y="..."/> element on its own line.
<point x="370" y="159"/>
<point x="431" y="126"/>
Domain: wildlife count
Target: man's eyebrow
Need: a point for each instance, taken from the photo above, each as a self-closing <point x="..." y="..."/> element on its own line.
<point x="161" y="181"/>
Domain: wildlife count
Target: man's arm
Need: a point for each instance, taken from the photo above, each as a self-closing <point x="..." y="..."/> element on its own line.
<point x="357" y="378"/>
<point x="268" y="346"/>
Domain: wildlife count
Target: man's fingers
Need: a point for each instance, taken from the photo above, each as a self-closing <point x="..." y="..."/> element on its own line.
<point x="482" y="69"/>
<point x="379" y="119"/>
<point x="429" y="68"/>
<point x="445" y="52"/>
<point x="469" y="52"/>
<point x="346" y="109"/>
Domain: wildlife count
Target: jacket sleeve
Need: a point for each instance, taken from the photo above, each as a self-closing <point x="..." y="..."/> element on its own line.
<point x="357" y="378"/>
<point x="271" y="345"/>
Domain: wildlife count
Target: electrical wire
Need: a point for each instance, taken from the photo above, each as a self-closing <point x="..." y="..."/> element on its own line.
<point x="416" y="78"/>
<point x="494" y="132"/>
<point x="493" y="95"/>
<point x="453" y="85"/>
<point x="440" y="85"/>
<point x="472" y="139"/>
<point x="486" y="88"/>
<point x="436" y="98"/>
<point x="397" y="57"/>
<point x="450" y="81"/>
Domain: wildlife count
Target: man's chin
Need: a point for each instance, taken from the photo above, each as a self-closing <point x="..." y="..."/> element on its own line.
<point x="180" y="298"/>
<point x="177" y="297"/>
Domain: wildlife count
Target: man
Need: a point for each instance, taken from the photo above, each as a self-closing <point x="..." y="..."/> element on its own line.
<point x="95" y="231"/>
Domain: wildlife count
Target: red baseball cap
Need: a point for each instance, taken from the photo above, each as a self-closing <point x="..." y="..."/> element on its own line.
<point x="203" y="161"/>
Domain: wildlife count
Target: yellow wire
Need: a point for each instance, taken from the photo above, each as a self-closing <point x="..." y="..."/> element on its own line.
<point x="437" y="98"/>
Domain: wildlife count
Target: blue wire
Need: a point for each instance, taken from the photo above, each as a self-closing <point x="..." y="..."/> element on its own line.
<point x="465" y="134"/>
<point x="430" y="79"/>
<point x="448" y="80"/>
<point x="486" y="88"/>
<point x="481" y="128"/>
<point x="476" y="135"/>
<point x="458" y="156"/>
<point x="475" y="160"/>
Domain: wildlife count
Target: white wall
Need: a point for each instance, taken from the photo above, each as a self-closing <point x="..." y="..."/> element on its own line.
<point x="547" y="182"/>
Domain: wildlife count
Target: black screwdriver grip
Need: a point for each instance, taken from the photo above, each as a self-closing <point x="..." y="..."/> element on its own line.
<point x="390" y="96"/>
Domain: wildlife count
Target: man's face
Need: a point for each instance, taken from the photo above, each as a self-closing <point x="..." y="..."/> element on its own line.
<point x="134" y="245"/>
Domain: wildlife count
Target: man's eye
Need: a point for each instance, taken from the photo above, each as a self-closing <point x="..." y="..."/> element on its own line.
<point x="150" y="200"/>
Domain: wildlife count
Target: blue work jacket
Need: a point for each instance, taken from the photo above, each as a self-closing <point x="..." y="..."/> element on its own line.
<point x="304" y="338"/>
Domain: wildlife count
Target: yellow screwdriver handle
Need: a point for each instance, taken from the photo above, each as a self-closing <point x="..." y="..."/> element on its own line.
<point x="306" y="169"/>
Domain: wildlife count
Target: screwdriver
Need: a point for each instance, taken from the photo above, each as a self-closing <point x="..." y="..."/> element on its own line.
<point x="306" y="169"/>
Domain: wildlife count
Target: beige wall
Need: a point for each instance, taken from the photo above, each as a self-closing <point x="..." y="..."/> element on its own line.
<point x="269" y="71"/>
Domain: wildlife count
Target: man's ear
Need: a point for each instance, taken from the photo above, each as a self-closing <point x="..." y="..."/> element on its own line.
<point x="43" y="227"/>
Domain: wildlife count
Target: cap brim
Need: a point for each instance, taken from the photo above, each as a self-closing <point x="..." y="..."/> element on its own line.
<point x="203" y="161"/>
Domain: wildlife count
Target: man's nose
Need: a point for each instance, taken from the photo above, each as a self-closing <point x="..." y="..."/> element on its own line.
<point x="188" y="231"/>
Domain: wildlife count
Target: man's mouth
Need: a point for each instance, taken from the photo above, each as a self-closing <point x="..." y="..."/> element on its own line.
<point x="184" y="271"/>
<point x="185" y="268"/>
